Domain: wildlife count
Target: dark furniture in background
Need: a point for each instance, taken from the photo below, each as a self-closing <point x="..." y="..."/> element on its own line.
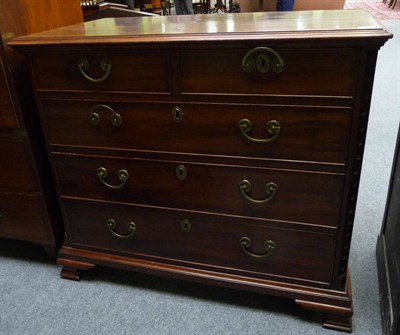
<point x="392" y="3"/>
<point x="102" y="6"/>
<point x="198" y="155"/>
<point x="388" y="253"/>
<point x="129" y="3"/>
<point x="112" y="12"/>
<point x="28" y="206"/>
<point x="105" y="9"/>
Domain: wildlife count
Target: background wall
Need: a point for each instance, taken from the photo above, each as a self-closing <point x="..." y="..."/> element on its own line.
<point x="318" y="4"/>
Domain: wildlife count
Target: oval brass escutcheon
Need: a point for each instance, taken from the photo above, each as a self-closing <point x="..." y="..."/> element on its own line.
<point x="177" y="114"/>
<point x="181" y="172"/>
<point x="186" y="225"/>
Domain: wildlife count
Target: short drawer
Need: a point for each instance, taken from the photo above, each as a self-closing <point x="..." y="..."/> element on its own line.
<point x="144" y="72"/>
<point x="299" y="196"/>
<point x="321" y="72"/>
<point x="201" y="241"/>
<point x="21" y="217"/>
<point x="16" y="169"/>
<point x="276" y="132"/>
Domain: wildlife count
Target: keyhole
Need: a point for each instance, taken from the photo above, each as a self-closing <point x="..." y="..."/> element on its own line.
<point x="181" y="173"/>
<point x="177" y="114"/>
<point x="186" y="225"/>
<point x="263" y="63"/>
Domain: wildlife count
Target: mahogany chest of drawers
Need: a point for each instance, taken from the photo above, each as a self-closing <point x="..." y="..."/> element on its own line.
<point x="225" y="149"/>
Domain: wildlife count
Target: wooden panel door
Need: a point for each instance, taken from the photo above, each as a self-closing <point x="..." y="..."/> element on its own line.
<point x="26" y="16"/>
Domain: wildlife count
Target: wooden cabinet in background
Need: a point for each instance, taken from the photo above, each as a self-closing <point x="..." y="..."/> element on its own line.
<point x="28" y="205"/>
<point x="388" y="253"/>
<point x="8" y="118"/>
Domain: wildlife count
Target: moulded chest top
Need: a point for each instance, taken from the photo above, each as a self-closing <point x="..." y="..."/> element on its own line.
<point x="212" y="27"/>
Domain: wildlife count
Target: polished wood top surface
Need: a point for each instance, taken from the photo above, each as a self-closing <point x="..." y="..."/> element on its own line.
<point x="238" y="26"/>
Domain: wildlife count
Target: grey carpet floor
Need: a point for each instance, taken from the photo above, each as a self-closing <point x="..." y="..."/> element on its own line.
<point x="35" y="301"/>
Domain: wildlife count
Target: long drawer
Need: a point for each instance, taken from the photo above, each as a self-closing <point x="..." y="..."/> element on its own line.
<point x="277" y="132"/>
<point x="300" y="196"/>
<point x="139" y="71"/>
<point x="201" y="240"/>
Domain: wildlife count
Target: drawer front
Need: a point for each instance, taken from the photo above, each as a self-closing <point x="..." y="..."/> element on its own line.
<point x="133" y="72"/>
<point x="298" y="196"/>
<point x="220" y="71"/>
<point x="21" y="217"/>
<point x="200" y="240"/>
<point x="16" y="171"/>
<point x="295" y="133"/>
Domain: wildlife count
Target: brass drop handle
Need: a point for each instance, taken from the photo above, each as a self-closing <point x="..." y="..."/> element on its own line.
<point x="263" y="60"/>
<point x="1" y="214"/>
<point x="273" y="128"/>
<point x="116" y="119"/>
<point x="245" y="243"/>
<point x="123" y="175"/>
<point x="105" y="65"/>
<point x="270" y="188"/>
<point x="111" y="224"/>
